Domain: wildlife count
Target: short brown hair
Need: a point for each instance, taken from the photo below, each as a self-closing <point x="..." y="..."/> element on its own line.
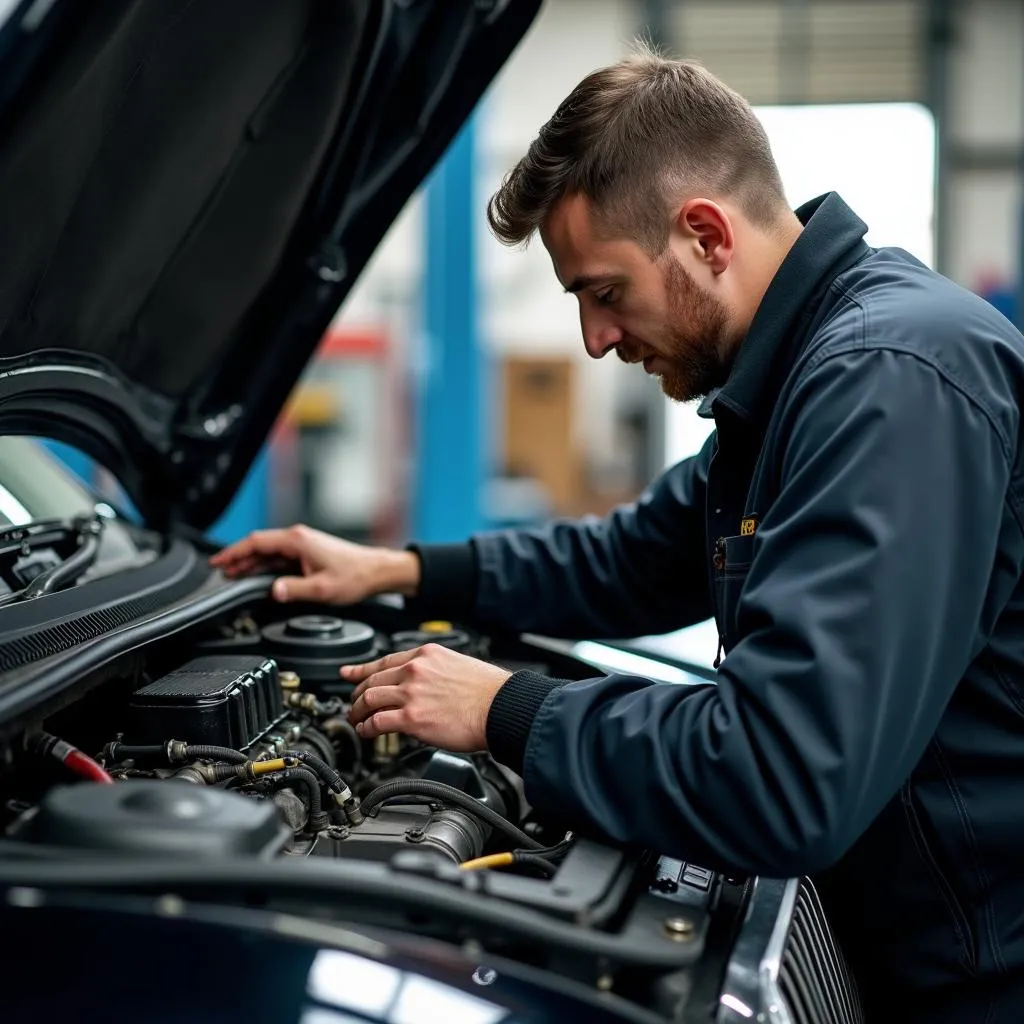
<point x="629" y="137"/>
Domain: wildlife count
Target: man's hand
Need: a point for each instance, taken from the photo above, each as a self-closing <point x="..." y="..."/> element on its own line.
<point x="435" y="694"/>
<point x="332" y="570"/>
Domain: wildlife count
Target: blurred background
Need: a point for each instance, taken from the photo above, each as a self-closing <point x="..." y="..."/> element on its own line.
<point x="452" y="393"/>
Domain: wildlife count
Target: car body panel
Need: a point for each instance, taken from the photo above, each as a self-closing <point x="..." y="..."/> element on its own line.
<point x="187" y="194"/>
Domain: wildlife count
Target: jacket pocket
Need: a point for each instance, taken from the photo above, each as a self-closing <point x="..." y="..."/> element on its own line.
<point x="737" y="553"/>
<point x="942" y="875"/>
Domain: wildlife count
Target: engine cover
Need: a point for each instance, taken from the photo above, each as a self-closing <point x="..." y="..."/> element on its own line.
<point x="145" y="818"/>
<point x="221" y="700"/>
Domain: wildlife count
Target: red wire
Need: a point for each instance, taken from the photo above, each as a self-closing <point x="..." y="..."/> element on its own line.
<point x="82" y="764"/>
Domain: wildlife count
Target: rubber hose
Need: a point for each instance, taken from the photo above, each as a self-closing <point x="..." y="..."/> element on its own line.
<point x="318" y="743"/>
<point x="70" y="756"/>
<point x="223" y="772"/>
<point x="308" y="780"/>
<point x="318" y="765"/>
<point x="122" y="752"/>
<point x="216" y="754"/>
<point x="438" y="790"/>
<point x="339" y="727"/>
<point x="535" y="861"/>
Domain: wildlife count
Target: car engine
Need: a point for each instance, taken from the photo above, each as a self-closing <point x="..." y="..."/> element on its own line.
<point x="271" y="725"/>
<point x="231" y="740"/>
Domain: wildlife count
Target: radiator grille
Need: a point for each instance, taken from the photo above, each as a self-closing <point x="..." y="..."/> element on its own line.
<point x="814" y="980"/>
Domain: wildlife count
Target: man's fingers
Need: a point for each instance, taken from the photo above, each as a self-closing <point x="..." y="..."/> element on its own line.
<point x="239" y="567"/>
<point x="252" y="565"/>
<point x="259" y="544"/>
<point x="382" y="722"/>
<point x="386" y="677"/>
<point x="246" y="565"/>
<point x="357" y="673"/>
<point x="376" y="698"/>
<point x="317" y="587"/>
<point x="242" y="550"/>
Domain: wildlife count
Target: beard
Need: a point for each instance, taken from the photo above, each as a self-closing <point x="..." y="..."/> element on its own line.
<point x="693" y="342"/>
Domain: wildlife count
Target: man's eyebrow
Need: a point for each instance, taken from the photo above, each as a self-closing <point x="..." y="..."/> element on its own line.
<point x="579" y="283"/>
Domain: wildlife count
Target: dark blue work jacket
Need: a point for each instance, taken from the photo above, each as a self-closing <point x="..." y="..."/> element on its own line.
<point x="855" y="524"/>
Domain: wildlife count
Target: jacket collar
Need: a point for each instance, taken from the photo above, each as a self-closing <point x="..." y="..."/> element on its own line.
<point x="831" y="242"/>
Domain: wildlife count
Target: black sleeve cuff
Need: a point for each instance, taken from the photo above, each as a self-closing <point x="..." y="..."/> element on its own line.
<point x="513" y="710"/>
<point x="448" y="580"/>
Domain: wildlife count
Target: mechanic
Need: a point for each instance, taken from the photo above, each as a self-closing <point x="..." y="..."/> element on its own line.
<point x="855" y="524"/>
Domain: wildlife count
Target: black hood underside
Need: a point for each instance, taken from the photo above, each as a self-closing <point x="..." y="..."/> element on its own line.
<point x="188" y="190"/>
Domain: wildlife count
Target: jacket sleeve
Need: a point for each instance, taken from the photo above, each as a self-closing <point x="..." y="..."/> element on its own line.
<point x="865" y="602"/>
<point x="639" y="570"/>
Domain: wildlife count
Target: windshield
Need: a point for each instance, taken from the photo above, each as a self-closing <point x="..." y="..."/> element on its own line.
<point x="35" y="485"/>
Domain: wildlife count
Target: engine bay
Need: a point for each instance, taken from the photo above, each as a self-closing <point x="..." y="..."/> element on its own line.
<point x="229" y="743"/>
<point x="261" y="714"/>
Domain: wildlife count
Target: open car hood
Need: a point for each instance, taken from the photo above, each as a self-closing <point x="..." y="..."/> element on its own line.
<point x="188" y="190"/>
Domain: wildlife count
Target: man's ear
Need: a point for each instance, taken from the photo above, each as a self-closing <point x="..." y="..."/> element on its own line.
<point x="706" y="227"/>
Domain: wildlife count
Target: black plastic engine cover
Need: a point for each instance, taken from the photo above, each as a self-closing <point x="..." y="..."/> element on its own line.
<point x="144" y="818"/>
<point x="223" y="700"/>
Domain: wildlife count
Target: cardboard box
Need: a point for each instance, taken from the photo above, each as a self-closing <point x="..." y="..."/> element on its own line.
<point x="539" y="402"/>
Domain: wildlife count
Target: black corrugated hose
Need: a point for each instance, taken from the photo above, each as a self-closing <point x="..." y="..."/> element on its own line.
<point x="215" y="754"/>
<point x="318" y="765"/>
<point x="332" y="779"/>
<point x="535" y="861"/>
<point x="122" y="751"/>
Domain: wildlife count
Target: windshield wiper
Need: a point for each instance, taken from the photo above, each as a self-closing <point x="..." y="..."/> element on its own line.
<point x="19" y="533"/>
<point x="85" y="530"/>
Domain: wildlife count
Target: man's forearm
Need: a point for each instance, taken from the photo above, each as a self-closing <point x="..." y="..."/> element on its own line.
<point x="397" y="572"/>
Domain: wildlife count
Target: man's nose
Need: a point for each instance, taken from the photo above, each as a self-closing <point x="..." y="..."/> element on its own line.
<point x="599" y="336"/>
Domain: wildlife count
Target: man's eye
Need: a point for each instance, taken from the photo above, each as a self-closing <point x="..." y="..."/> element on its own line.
<point x="606" y="298"/>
